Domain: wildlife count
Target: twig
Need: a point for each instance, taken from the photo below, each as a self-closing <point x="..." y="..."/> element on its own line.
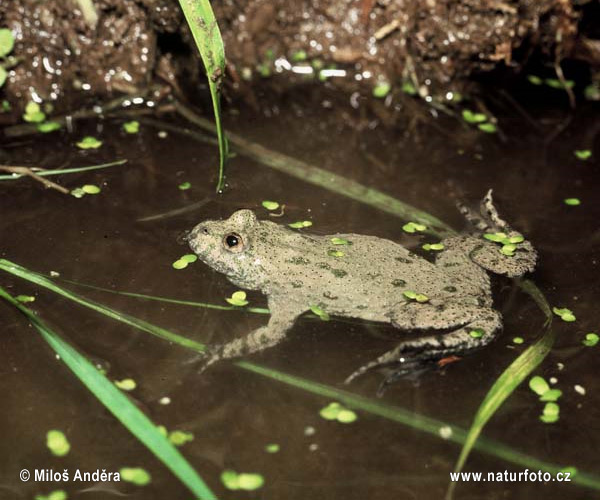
<point x="28" y="172"/>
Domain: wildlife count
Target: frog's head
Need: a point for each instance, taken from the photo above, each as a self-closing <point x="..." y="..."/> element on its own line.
<point x="226" y="246"/>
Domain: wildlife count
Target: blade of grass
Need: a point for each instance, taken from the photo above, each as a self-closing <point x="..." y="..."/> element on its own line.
<point x="393" y="413"/>
<point x="320" y="177"/>
<point x="140" y="324"/>
<point x="119" y="405"/>
<point x="508" y="381"/>
<point x="205" y="30"/>
<point x="60" y="171"/>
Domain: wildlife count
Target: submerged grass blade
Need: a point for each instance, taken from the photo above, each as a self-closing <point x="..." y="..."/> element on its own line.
<point x="508" y="381"/>
<point x="140" y="324"/>
<point x="60" y="171"/>
<point x="392" y="413"/>
<point x="119" y="405"/>
<point x="205" y="30"/>
<point x="320" y="177"/>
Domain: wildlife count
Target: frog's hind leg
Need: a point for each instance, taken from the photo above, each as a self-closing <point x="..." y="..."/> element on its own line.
<point x="472" y="328"/>
<point x="487" y="219"/>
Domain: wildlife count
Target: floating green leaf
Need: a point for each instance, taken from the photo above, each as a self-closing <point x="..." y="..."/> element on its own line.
<point x="270" y="205"/>
<point x="135" y="475"/>
<point x="189" y="258"/>
<point x="335" y="253"/>
<point x="477" y="333"/>
<point x="436" y="247"/>
<point x="409" y="88"/>
<point x="57" y="443"/>
<point x="538" y="385"/>
<point x="300" y="224"/>
<point x="53" y="495"/>
<point x="33" y="113"/>
<point x="490" y="128"/>
<point x="185" y="186"/>
<point x="89" y="142"/>
<point x="573" y="202"/>
<point x="132" y="127"/>
<point x="419" y="297"/>
<point x="564" y="314"/>
<point x="90" y="189"/>
<point x="7" y="42"/>
<point x="272" y="448"/>
<point x="127" y="384"/>
<point x="591" y="339"/>
<point x="518" y="340"/>
<point x="243" y="481"/>
<point x="381" y="89"/>
<point x="411" y="227"/>
<point x="238" y="299"/>
<point x="535" y="80"/>
<point x="550" y="413"/>
<point x="336" y="411"/>
<point x="473" y="117"/>
<point x="555" y="83"/>
<point x="583" y="154"/>
<point x="320" y="313"/>
<point x="551" y="395"/>
<point x="299" y="56"/>
<point x="340" y="241"/>
<point x="3" y="75"/>
<point x="49" y="126"/>
<point x="179" y="438"/>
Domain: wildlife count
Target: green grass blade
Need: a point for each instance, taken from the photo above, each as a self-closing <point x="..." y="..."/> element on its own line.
<point x="119" y="405"/>
<point x="375" y="407"/>
<point x="205" y="30"/>
<point x="60" y="171"/>
<point x="508" y="381"/>
<point x="140" y="324"/>
<point x="321" y="177"/>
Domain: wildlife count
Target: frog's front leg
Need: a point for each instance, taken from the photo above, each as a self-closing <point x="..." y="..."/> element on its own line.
<point x="282" y="319"/>
<point x="472" y="328"/>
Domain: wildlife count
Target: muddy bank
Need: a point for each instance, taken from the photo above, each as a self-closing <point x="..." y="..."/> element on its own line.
<point x="431" y="47"/>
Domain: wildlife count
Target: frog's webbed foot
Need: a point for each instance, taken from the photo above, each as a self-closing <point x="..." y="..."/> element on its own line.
<point x="510" y="255"/>
<point x="473" y="328"/>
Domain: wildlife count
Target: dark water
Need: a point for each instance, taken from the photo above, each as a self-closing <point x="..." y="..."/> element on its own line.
<point x="233" y="414"/>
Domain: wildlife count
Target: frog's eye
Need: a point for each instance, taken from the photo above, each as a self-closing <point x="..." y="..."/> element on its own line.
<point x="233" y="242"/>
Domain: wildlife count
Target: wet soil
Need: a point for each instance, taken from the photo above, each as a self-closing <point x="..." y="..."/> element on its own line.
<point x="436" y="46"/>
<point x="101" y="240"/>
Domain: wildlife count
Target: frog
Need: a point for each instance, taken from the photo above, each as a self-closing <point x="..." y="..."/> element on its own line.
<point x="447" y="301"/>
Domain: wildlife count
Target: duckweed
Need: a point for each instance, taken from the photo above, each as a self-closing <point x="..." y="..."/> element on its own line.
<point x="57" y="443"/>
<point x="583" y="154"/>
<point x="7" y="42"/>
<point x="272" y="448"/>
<point x="518" y="340"/>
<point x="564" y="314"/>
<point x="127" y="384"/>
<point x="411" y="227"/>
<point x="189" y="258"/>
<point x="299" y="56"/>
<point x="591" y="339"/>
<point x="336" y="411"/>
<point x="409" y="88"/>
<point x="135" y="475"/>
<point x="534" y="80"/>
<point x="340" y="241"/>
<point x="550" y="413"/>
<point x="89" y="142"/>
<point x="33" y="113"/>
<point x="539" y="385"/>
<point x="335" y="253"/>
<point x="237" y="299"/>
<point x="47" y="127"/>
<point x="320" y="313"/>
<point x="555" y="83"/>
<point x="489" y="128"/>
<point x="300" y="224"/>
<point x="270" y="205"/>
<point x="477" y="333"/>
<point x="90" y="189"/>
<point x="381" y="89"/>
<point x="573" y="202"/>
<point x="473" y="117"/>
<point x="184" y="186"/>
<point x="436" y="247"/>
<point x="25" y="298"/>
<point x="132" y="127"/>
<point x="418" y="297"/>
<point x="53" y="495"/>
<point x="180" y="264"/>
<point x="179" y="438"/>
<point x="243" y="481"/>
